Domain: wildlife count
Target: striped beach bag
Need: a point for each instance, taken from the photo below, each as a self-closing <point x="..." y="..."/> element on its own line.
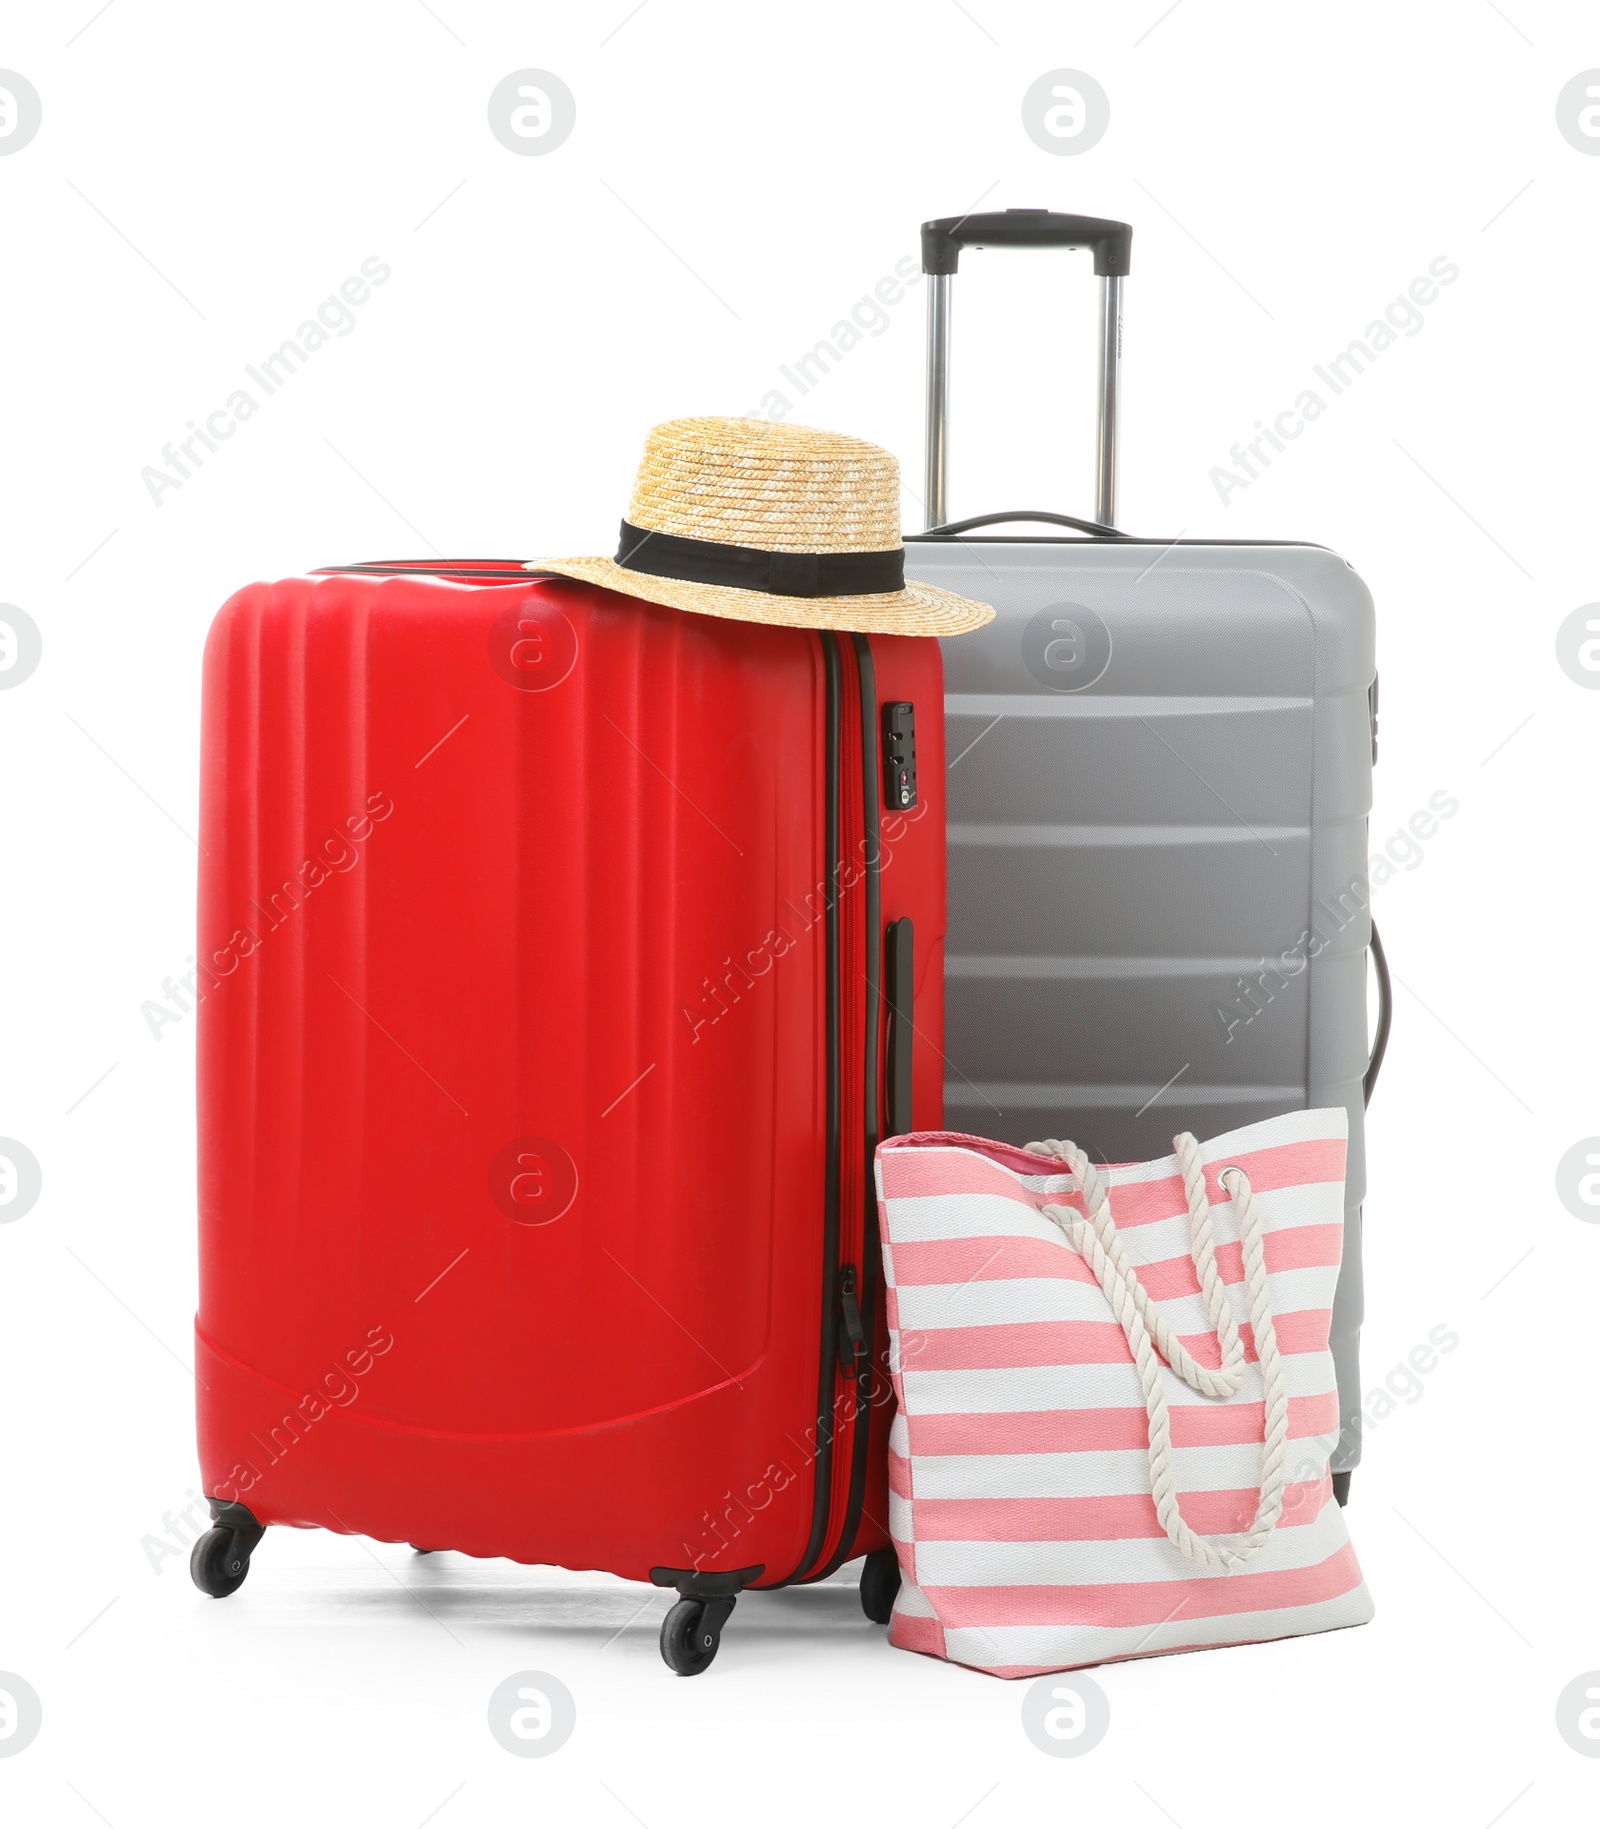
<point x="1116" y="1399"/>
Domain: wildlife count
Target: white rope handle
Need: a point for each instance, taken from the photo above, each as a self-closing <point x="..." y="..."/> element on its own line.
<point x="1148" y="1334"/>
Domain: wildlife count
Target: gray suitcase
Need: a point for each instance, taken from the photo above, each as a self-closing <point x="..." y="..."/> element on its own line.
<point x="1160" y="770"/>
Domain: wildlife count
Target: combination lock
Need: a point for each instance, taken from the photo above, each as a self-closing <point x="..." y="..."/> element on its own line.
<point x="899" y="756"/>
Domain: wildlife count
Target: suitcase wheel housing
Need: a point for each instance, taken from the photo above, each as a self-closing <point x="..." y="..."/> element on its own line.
<point x="219" y="1562"/>
<point x="880" y="1583"/>
<point x="692" y="1632"/>
<point x="220" y="1559"/>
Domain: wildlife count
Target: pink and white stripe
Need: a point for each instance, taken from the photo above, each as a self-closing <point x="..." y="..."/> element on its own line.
<point x="1020" y="1494"/>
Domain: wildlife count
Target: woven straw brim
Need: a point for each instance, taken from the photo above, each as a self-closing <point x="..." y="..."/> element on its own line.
<point x="919" y="609"/>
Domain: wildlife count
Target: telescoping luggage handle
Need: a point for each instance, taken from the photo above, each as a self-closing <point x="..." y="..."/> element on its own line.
<point x="942" y="242"/>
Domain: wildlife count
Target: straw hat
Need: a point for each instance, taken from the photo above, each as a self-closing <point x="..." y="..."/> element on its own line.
<point x="771" y="523"/>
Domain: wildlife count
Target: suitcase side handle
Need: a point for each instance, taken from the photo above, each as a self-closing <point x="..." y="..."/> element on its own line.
<point x="1380" y="1042"/>
<point x="899" y="959"/>
<point x="942" y="241"/>
<point x="951" y="528"/>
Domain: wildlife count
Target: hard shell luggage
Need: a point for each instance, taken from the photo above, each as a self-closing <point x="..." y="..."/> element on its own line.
<point x="1160" y="773"/>
<point x="563" y="964"/>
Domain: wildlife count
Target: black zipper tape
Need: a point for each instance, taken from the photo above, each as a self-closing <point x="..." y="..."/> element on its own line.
<point x="444" y="569"/>
<point x="864" y="1292"/>
<point x="821" y="1505"/>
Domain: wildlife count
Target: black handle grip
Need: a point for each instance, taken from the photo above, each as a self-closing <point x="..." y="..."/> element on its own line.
<point x="942" y="241"/>
<point x="899" y="959"/>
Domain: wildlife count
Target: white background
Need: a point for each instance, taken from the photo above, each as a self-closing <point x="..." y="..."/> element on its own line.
<point x="739" y="176"/>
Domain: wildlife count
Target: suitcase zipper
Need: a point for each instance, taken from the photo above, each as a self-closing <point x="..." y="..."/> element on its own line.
<point x="822" y="1472"/>
<point x="858" y="1289"/>
<point x="853" y="1341"/>
<point x="465" y="571"/>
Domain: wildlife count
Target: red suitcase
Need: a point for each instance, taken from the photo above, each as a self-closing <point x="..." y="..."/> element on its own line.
<point x="562" y="963"/>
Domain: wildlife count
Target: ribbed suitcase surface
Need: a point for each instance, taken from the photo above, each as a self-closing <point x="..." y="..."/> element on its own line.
<point x="541" y="1057"/>
<point x="1160" y="774"/>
